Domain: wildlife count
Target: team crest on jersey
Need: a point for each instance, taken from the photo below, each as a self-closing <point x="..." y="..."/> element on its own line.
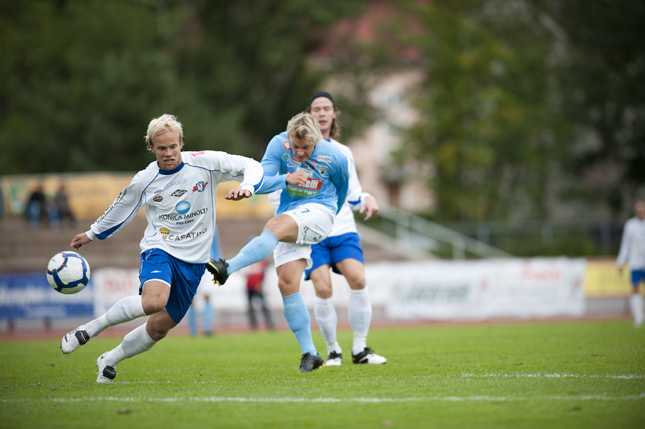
<point x="323" y="158"/>
<point x="200" y="186"/>
<point x="285" y="157"/>
<point x="178" y="193"/>
<point x="157" y="199"/>
<point x="323" y="169"/>
<point x="286" y="145"/>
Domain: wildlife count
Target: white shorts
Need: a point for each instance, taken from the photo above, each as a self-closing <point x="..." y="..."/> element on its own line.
<point x="315" y="222"/>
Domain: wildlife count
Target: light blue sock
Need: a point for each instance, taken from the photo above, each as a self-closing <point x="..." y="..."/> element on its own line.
<point x="255" y="251"/>
<point x="297" y="316"/>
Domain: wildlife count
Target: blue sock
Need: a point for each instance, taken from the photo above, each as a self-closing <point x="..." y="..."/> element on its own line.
<point x="297" y="316"/>
<point x="192" y="321"/>
<point x="255" y="251"/>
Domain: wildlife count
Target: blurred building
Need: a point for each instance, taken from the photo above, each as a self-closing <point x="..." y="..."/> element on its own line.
<point x="390" y="178"/>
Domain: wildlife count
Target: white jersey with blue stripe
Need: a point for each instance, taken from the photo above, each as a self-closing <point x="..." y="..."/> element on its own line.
<point x="345" y="222"/>
<point x="326" y="168"/>
<point x="180" y="204"/>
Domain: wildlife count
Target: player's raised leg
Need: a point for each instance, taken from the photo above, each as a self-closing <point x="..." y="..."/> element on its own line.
<point x="126" y="309"/>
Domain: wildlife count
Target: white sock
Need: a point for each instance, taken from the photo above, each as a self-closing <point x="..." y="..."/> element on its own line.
<point x="360" y="317"/>
<point x="126" y="309"/>
<point x="135" y="342"/>
<point x="326" y="318"/>
<point x="636" y="305"/>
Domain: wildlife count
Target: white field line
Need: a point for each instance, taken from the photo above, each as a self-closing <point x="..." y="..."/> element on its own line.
<point x="415" y="377"/>
<point x="211" y="399"/>
<point x="547" y="375"/>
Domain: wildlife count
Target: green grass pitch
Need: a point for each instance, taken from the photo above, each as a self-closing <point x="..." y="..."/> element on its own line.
<point x="546" y="375"/>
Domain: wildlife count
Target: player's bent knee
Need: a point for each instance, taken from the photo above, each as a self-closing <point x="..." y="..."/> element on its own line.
<point x="324" y="292"/>
<point x="159" y="325"/>
<point x="356" y="283"/>
<point x="152" y="306"/>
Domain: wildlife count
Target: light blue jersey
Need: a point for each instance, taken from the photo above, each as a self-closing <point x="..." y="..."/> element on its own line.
<point x="327" y="171"/>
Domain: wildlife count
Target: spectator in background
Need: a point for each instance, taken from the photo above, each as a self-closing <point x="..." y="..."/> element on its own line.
<point x="207" y="310"/>
<point x="61" y="206"/>
<point x="1" y="201"/>
<point x="36" y="207"/>
<point x="632" y="252"/>
<point x="254" y="282"/>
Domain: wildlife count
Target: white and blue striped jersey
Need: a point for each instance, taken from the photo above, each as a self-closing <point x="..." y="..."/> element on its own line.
<point x="326" y="169"/>
<point x="180" y="204"/>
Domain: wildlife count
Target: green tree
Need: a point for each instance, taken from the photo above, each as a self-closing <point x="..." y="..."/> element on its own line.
<point x="602" y="80"/>
<point x="82" y="78"/>
<point x="528" y="103"/>
<point x="492" y="123"/>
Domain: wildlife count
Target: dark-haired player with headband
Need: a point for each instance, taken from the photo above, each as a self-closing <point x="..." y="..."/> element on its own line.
<point x="341" y="251"/>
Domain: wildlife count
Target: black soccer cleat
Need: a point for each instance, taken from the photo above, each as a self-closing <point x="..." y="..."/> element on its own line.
<point x="219" y="270"/>
<point x="334" y="359"/>
<point x="310" y="362"/>
<point x="369" y="357"/>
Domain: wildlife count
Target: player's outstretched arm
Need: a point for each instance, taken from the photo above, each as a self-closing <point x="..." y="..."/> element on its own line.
<point x="79" y="240"/>
<point x="238" y="194"/>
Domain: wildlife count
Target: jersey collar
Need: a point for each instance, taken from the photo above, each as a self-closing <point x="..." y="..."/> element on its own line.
<point x="176" y="170"/>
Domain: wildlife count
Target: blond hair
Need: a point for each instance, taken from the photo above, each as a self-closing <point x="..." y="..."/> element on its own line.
<point x="304" y="127"/>
<point x="160" y="125"/>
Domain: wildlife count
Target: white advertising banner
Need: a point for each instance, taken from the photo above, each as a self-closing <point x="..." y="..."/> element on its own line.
<point x="112" y="284"/>
<point x="484" y="289"/>
<point x="431" y="290"/>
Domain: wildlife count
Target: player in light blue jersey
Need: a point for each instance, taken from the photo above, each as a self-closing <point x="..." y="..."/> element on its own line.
<point x="178" y="191"/>
<point x="313" y="177"/>
<point x="341" y="252"/>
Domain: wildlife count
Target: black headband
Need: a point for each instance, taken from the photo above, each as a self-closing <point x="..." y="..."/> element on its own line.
<point x="322" y="94"/>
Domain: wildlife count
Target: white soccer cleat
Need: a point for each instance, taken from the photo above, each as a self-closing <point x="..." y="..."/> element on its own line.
<point x="106" y="373"/>
<point x="369" y="357"/>
<point x="334" y="359"/>
<point x="74" y="339"/>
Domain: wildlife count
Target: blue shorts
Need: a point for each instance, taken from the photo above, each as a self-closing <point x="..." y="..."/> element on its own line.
<point x="184" y="278"/>
<point x="335" y="249"/>
<point x="638" y="276"/>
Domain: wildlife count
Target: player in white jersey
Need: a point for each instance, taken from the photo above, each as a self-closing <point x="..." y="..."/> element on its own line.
<point x="178" y="191"/>
<point x="341" y="251"/>
<point x="313" y="176"/>
<point x="632" y="252"/>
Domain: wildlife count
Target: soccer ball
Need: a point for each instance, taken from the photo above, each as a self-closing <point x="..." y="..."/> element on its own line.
<point x="68" y="272"/>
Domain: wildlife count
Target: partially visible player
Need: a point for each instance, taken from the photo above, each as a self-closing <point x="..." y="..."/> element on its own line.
<point x="178" y="191"/>
<point x="632" y="252"/>
<point x="342" y="252"/>
<point x="313" y="176"/>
